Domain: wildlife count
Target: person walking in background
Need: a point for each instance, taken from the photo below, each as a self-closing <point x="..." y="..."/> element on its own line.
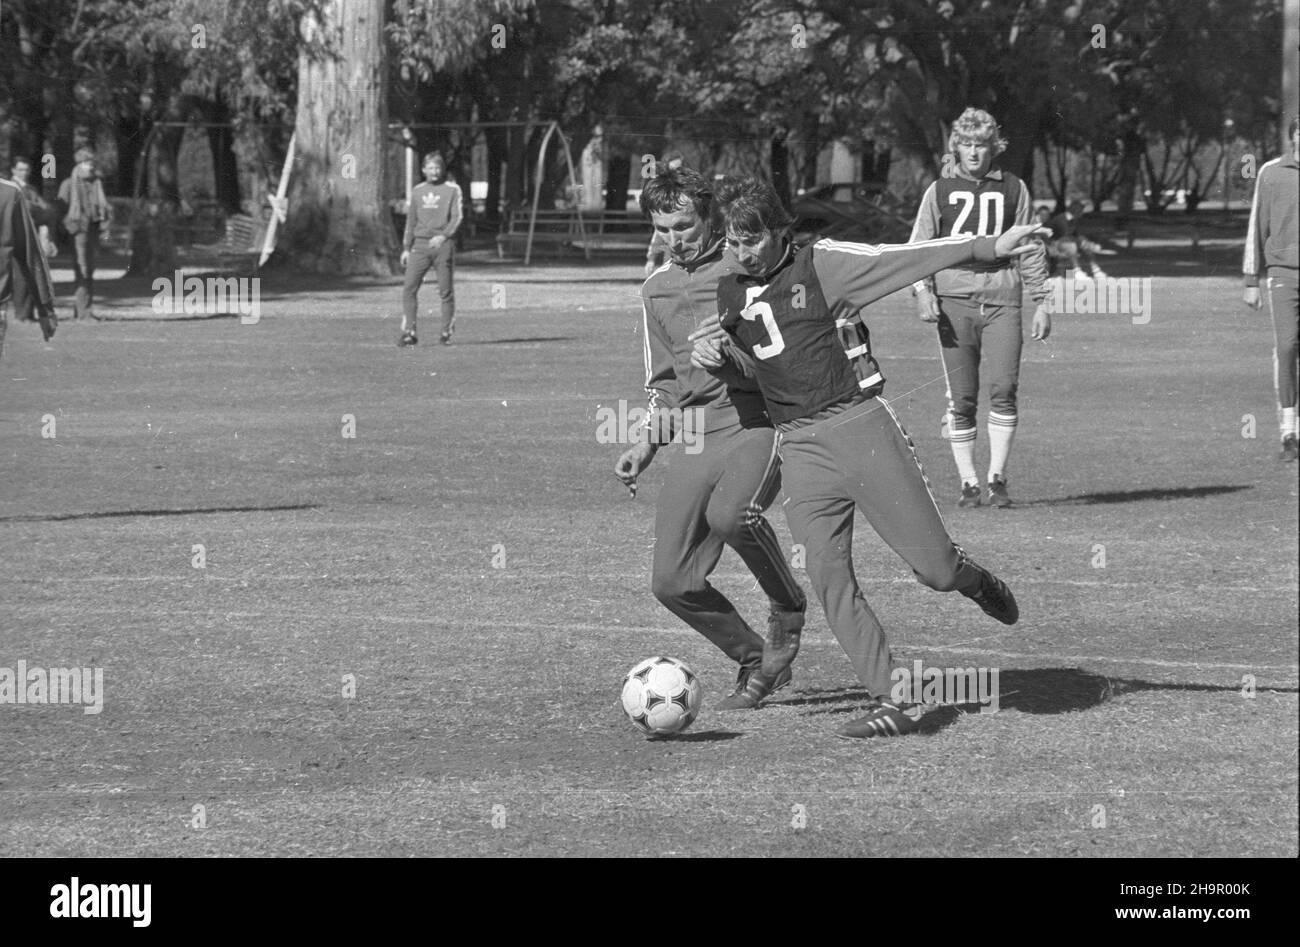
<point x="1271" y="252"/>
<point x="431" y="221"/>
<point x="86" y="214"/>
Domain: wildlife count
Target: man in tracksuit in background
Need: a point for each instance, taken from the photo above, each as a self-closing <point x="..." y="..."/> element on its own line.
<point x="1271" y="252"/>
<point x="716" y="489"/>
<point x="434" y="214"/>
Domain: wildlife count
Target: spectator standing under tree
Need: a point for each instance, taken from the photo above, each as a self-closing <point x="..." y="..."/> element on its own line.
<point x="432" y="219"/>
<point x="43" y="218"/>
<point x="20" y="253"/>
<point x="86" y="213"/>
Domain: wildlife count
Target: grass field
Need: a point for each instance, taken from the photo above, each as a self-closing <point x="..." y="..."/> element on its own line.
<point x="469" y="560"/>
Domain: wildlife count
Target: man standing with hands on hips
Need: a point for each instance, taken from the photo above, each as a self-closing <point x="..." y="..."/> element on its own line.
<point x="432" y="219"/>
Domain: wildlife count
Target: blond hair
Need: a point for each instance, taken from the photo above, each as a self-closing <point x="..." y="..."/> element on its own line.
<point x="977" y="125"/>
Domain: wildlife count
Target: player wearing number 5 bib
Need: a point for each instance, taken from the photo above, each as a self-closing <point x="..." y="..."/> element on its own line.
<point x="842" y="449"/>
<point x="728" y="472"/>
<point x="977" y="303"/>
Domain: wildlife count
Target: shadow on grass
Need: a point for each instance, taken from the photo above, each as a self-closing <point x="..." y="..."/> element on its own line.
<point x="193" y="317"/>
<point x="189" y="511"/>
<point x="1136" y="496"/>
<point x="1032" y="691"/>
<point x="705" y="736"/>
<point x="539" y="338"/>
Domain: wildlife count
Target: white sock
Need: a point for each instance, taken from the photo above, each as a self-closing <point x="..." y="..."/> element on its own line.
<point x="963" y="451"/>
<point x="1002" y="431"/>
<point x="1288" y="421"/>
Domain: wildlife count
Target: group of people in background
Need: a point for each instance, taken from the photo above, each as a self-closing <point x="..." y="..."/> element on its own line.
<point x="28" y="224"/>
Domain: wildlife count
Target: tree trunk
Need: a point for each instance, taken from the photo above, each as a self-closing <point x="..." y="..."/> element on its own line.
<point x="225" y="170"/>
<point x="1130" y="168"/>
<point x="812" y="146"/>
<point x="337" y="220"/>
<point x="780" y="162"/>
<point x="620" y="170"/>
<point x="167" y="148"/>
<point x="515" y="170"/>
<point x="496" y="158"/>
<point x="128" y="136"/>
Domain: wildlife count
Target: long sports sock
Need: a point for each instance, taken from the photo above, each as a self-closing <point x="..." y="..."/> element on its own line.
<point x="1002" y="431"/>
<point x="963" y="452"/>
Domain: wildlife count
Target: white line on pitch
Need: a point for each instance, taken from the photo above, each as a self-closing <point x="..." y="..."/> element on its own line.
<point x="191" y="575"/>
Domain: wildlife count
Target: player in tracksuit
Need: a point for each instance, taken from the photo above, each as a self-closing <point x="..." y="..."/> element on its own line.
<point x="796" y="313"/>
<point x="977" y="303"/>
<point x="431" y="222"/>
<point x="1271" y="252"/>
<point x="22" y="258"/>
<point x="717" y="487"/>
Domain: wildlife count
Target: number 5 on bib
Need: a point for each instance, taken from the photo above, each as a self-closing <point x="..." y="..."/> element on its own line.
<point x="761" y="310"/>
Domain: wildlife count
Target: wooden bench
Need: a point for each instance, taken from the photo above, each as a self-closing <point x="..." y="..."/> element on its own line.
<point x="241" y="237"/>
<point x="557" y="227"/>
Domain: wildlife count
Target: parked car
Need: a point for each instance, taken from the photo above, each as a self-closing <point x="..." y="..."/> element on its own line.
<point x="858" y="212"/>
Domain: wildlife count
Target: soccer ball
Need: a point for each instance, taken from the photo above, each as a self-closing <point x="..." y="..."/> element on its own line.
<point x="661" y="696"/>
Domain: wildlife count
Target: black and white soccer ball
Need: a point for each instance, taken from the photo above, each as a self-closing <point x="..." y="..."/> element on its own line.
<point x="661" y="696"/>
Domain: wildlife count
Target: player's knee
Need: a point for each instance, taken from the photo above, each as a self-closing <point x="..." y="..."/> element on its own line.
<point x="730" y="521"/>
<point x="963" y="416"/>
<point x="670" y="587"/>
<point x="1002" y="400"/>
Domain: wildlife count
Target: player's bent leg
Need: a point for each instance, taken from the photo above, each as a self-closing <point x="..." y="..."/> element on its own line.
<point x="685" y="554"/>
<point x="749" y="478"/>
<point x="820" y="517"/>
<point x="894" y="494"/>
<point x="895" y="497"/>
<point x="747" y="486"/>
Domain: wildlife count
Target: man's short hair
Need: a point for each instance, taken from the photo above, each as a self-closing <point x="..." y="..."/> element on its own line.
<point x="20" y="159"/>
<point x="672" y="188"/>
<point x="84" y="153"/>
<point x="750" y="207"/>
<point x="977" y="125"/>
<point x="1075" y="206"/>
<point x="430" y="155"/>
